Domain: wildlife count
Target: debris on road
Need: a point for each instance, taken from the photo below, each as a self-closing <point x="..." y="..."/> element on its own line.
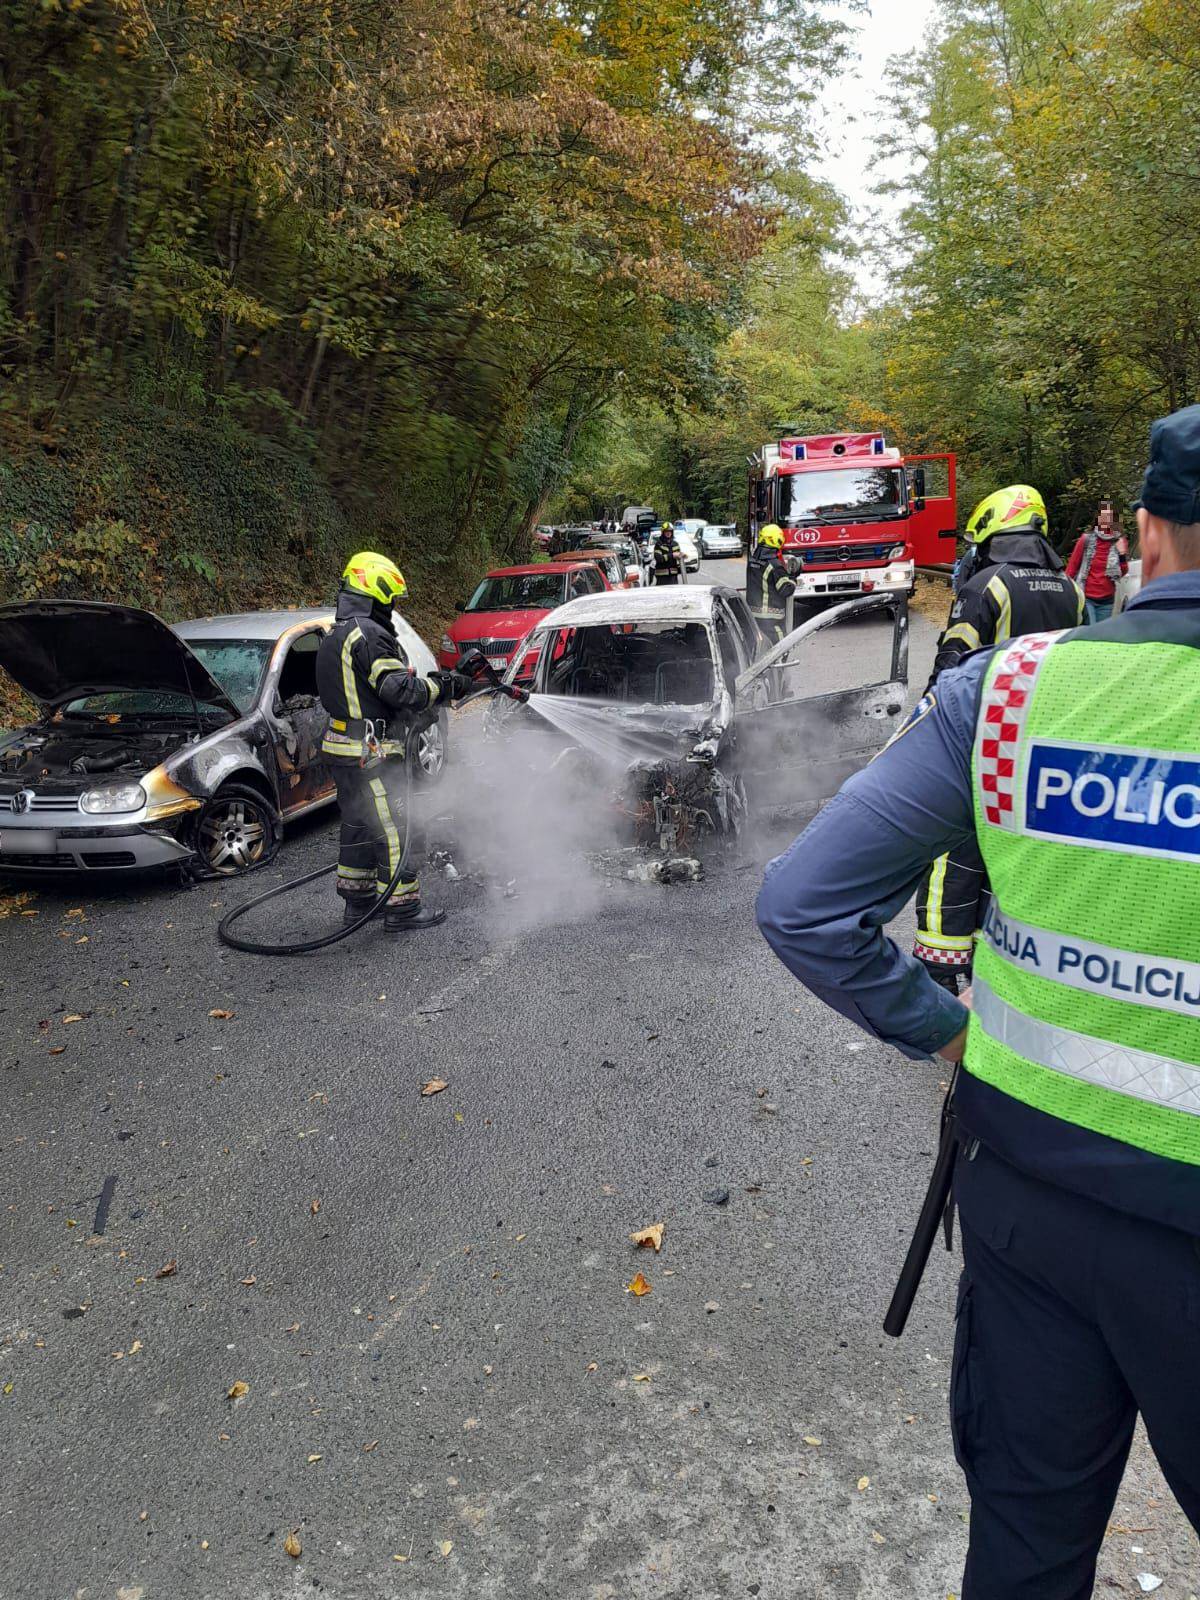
<point x="677" y="869"/>
<point x="650" y="1236"/>
<point x="217" y="1012"/>
<point x="716" y="1197"/>
<point x="1147" y="1582"/>
<point x="238" y="1390"/>
<point x="292" y="1545"/>
<point x="639" y="1286"/>
<point x="434" y="1086"/>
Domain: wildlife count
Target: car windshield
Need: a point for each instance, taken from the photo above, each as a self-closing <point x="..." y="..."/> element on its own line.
<point x="525" y="591"/>
<point x="647" y="663"/>
<point x="236" y="664"/>
<point x="845" y="492"/>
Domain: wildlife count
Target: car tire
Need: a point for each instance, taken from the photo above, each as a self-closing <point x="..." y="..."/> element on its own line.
<point x="235" y="831"/>
<point x="431" y="751"/>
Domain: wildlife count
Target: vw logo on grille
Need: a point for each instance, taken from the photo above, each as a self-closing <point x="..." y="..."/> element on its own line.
<point x="22" y="800"/>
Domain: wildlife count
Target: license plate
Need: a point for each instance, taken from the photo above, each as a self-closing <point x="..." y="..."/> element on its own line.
<point x="27" y="842"/>
<point x="499" y="662"/>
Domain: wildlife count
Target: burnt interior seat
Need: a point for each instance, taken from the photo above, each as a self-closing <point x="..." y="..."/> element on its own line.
<point x="682" y="680"/>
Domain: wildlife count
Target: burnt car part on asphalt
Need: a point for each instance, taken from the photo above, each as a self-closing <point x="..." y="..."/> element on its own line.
<point x="189" y="746"/>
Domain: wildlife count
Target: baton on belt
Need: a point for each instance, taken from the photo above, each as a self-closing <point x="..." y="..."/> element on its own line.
<point x="935" y="1208"/>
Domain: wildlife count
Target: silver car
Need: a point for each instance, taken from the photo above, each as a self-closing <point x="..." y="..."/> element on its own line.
<point x="190" y="746"/>
<point x="719" y="539"/>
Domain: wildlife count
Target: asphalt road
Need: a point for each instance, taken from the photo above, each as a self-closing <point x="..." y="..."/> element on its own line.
<point x="220" y="1171"/>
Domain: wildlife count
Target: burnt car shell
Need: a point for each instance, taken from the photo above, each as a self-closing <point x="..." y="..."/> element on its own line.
<point x="770" y="743"/>
<point x="129" y="707"/>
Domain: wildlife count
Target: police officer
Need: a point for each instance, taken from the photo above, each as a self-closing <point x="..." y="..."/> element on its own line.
<point x="1078" y="1179"/>
<point x="668" y="557"/>
<point x="1014" y="584"/>
<point x="372" y="696"/>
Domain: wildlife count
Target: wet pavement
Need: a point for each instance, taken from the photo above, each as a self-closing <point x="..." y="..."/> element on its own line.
<point x="257" y="1287"/>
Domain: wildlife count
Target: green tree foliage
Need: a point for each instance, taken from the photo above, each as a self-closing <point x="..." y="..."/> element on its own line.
<point x="422" y="245"/>
<point x="1049" y="287"/>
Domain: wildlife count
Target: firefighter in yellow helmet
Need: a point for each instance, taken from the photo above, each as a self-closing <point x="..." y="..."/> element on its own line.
<point x="668" y="557"/>
<point x="1014" y="584"/>
<point x="372" y="696"/>
<point x="778" y="583"/>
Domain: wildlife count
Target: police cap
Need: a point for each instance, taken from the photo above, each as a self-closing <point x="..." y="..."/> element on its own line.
<point x="1171" y="487"/>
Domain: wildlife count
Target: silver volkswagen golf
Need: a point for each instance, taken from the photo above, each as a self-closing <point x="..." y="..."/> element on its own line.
<point x="188" y="746"/>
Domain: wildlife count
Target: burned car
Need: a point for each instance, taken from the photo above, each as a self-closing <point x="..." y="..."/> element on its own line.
<point x="673" y="691"/>
<point x="189" y="746"/>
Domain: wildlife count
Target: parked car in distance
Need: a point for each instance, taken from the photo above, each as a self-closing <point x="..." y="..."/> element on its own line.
<point x="636" y="558"/>
<point x="719" y="539"/>
<point x="611" y="563"/>
<point x="509" y="601"/>
<point x="158" y="746"/>
<point x="685" y="535"/>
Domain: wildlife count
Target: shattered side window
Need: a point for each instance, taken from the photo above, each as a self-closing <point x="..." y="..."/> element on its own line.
<point x="647" y="663"/>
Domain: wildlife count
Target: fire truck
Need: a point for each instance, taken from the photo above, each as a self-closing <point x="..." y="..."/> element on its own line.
<point x="857" y="518"/>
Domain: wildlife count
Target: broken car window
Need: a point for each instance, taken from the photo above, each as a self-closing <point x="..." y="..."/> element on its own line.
<point x="650" y="663"/>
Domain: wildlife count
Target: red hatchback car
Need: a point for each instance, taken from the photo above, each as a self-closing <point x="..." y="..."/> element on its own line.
<point x="509" y="602"/>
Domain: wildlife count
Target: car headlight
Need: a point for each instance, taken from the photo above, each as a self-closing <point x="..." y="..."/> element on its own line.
<point x="107" y="797"/>
<point x="896" y="553"/>
<point x="448" y="645"/>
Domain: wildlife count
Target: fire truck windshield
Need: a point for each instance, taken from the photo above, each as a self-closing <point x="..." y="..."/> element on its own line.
<point x="860" y="492"/>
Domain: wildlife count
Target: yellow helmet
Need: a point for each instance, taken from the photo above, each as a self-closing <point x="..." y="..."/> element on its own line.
<point x="771" y="536"/>
<point x="374" y="575"/>
<point x="1017" y="509"/>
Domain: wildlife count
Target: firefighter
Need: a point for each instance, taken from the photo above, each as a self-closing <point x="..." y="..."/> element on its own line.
<point x="372" y="696"/>
<point x="1077" y="1104"/>
<point x="1015" y="585"/>
<point x="778" y="583"/>
<point x="668" y="557"/>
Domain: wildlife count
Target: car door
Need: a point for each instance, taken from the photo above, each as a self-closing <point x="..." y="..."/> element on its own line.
<point x="298" y="722"/>
<point x="797" y="743"/>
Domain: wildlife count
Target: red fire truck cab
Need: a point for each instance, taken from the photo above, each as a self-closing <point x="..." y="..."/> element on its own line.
<point x="857" y="518"/>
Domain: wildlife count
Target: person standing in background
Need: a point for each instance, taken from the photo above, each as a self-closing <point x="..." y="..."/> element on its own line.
<point x="1099" y="558"/>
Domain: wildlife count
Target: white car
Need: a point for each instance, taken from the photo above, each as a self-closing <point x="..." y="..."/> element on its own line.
<point x="685" y="535"/>
<point x="719" y="539"/>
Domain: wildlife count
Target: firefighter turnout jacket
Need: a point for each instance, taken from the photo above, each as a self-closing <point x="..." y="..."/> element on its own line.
<point x="1020" y="589"/>
<point x="368" y="688"/>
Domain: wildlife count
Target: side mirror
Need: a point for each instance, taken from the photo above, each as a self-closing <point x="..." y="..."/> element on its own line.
<point x="460" y="605"/>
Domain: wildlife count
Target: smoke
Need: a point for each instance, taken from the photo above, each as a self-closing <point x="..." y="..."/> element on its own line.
<point x="531" y="814"/>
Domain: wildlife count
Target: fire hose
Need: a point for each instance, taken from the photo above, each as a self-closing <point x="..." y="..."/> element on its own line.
<point x="473" y="665"/>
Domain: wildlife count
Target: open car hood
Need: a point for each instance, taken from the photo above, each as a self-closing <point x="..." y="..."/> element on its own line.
<point x="59" y="650"/>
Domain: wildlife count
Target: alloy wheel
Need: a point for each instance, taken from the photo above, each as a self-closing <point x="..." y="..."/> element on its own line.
<point x="233" y="835"/>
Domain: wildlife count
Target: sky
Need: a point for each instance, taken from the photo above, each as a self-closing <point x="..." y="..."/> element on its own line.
<point x="848" y="113"/>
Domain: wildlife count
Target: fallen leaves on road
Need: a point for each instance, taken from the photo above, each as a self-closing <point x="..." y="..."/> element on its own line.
<point x="641" y="1285"/>
<point x="470" y="1424"/>
<point x="292" y="1545"/>
<point x="221" y="1016"/>
<point x="370" y="1445"/>
<point x="434" y="1086"/>
<point x="652" y="1235"/>
<point x="76" y="1016"/>
<point x="57" y="1049"/>
<point x="811" y="1438"/>
<point x="314" y="1207"/>
<point x="13" y="902"/>
<point x="168" y="1269"/>
<point x="75" y="911"/>
<point x="592" y="1366"/>
<point x="641" y="1377"/>
<point x="248" y="1283"/>
<point x="311" y="1459"/>
<point x="237" y="1390"/>
<point x="863" y="1483"/>
<point x="445" y="1547"/>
